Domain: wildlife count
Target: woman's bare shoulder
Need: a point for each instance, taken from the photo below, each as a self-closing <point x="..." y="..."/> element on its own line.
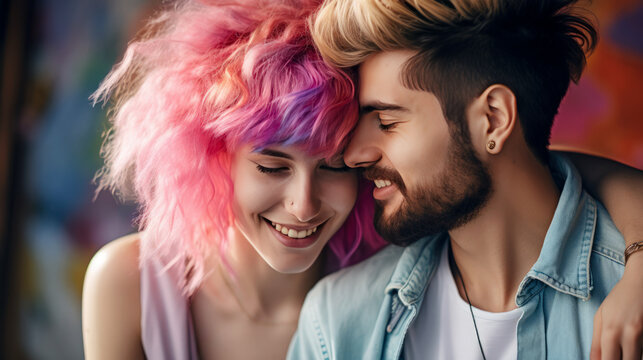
<point x="111" y="301"/>
<point x="115" y="265"/>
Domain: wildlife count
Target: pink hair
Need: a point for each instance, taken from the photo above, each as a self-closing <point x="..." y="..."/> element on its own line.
<point x="204" y="78"/>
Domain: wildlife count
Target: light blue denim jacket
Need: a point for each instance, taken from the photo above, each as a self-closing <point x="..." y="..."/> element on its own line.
<point x="364" y="312"/>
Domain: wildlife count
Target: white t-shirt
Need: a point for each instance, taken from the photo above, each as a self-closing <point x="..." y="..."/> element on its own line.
<point x="443" y="329"/>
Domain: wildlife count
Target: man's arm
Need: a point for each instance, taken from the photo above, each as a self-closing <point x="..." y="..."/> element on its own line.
<point x="619" y="187"/>
<point x="618" y="323"/>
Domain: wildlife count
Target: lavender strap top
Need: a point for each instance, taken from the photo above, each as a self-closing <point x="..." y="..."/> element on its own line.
<point x="167" y="331"/>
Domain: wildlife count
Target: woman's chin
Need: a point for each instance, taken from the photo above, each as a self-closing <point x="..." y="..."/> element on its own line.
<point x="291" y="264"/>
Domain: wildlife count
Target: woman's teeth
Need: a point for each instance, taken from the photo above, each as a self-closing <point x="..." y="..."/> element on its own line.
<point x="381" y="183"/>
<point x="294" y="233"/>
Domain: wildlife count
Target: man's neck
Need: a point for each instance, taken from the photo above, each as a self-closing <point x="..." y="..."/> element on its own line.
<point x="496" y="249"/>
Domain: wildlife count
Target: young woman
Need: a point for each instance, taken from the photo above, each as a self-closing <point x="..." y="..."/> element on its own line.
<point x="228" y="131"/>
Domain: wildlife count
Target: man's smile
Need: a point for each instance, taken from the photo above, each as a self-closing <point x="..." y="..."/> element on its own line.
<point x="379" y="183"/>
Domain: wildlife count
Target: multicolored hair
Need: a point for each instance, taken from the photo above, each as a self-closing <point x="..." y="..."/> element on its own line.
<point x="204" y="78"/>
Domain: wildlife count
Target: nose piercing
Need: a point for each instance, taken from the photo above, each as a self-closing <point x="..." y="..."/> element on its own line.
<point x="491" y="145"/>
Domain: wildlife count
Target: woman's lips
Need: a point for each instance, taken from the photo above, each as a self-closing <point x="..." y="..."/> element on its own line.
<point x="295" y="238"/>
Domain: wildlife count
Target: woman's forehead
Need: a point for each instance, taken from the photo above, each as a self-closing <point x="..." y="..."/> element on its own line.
<point x="293" y="152"/>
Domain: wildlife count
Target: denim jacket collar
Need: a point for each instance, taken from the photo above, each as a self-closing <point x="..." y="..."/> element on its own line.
<point x="563" y="263"/>
<point x="415" y="268"/>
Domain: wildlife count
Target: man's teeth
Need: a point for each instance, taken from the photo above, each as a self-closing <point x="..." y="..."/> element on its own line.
<point x="381" y="183"/>
<point x="294" y="233"/>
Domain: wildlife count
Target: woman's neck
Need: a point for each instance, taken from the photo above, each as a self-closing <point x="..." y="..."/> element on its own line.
<point x="261" y="293"/>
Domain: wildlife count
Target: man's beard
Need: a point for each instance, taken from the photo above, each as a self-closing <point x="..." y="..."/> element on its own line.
<point x="452" y="199"/>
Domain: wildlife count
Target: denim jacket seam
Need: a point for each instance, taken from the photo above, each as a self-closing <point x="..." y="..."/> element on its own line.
<point x="410" y="294"/>
<point x="564" y="288"/>
<point x="586" y="246"/>
<point x="529" y="292"/>
<point x="410" y="287"/>
<point x="609" y="254"/>
<point x="399" y="346"/>
<point x="392" y="287"/>
<point x="398" y="306"/>
<point x="396" y="312"/>
<point x="396" y="282"/>
<point x="320" y="338"/>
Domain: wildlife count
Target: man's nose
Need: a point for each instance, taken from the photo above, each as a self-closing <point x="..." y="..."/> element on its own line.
<point x="362" y="150"/>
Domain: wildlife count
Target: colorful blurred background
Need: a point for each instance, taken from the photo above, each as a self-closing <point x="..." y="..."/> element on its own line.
<point x="54" y="54"/>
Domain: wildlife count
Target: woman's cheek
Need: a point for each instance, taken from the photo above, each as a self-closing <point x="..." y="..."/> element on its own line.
<point x="254" y="192"/>
<point x="343" y="193"/>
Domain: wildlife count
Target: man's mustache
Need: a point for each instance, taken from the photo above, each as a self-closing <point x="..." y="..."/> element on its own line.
<point x="375" y="173"/>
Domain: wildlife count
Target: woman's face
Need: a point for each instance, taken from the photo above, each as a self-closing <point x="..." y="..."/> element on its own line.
<point x="288" y="204"/>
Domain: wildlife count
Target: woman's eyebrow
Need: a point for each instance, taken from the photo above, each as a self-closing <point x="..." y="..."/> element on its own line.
<point x="275" y="153"/>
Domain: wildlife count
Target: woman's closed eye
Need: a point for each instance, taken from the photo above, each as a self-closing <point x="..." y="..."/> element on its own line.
<point x="336" y="168"/>
<point x="270" y="170"/>
<point x="336" y="164"/>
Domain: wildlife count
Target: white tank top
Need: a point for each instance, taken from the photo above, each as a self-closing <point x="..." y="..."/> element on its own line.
<point x="443" y="329"/>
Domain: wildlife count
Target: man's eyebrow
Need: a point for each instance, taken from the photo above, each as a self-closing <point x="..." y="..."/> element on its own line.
<point x="275" y="153"/>
<point x="379" y="106"/>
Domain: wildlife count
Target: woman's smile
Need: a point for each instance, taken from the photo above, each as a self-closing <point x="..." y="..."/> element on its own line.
<point x="295" y="231"/>
<point x="292" y="238"/>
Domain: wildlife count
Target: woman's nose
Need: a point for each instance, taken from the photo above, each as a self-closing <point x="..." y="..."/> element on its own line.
<point x="303" y="200"/>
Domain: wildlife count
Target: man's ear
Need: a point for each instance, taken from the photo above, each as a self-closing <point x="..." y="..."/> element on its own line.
<point x="494" y="115"/>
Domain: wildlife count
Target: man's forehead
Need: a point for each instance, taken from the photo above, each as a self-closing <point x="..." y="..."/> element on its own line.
<point x="385" y="64"/>
<point x="379" y="78"/>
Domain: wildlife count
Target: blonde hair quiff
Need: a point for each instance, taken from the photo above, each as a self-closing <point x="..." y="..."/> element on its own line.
<point x="346" y="32"/>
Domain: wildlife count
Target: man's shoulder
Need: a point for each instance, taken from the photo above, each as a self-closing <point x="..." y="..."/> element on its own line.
<point x="368" y="278"/>
<point x="606" y="240"/>
<point x="346" y="311"/>
<point x="356" y="293"/>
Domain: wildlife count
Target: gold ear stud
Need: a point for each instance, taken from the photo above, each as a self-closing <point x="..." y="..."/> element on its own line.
<point x="491" y="145"/>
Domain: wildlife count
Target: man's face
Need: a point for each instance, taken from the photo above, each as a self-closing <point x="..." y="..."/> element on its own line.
<point x="427" y="176"/>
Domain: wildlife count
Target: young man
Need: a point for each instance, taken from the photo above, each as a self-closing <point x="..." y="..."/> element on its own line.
<point x="506" y="256"/>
